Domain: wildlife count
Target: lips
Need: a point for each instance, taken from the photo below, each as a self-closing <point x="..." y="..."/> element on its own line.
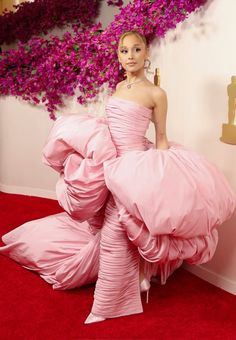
<point x="131" y="64"/>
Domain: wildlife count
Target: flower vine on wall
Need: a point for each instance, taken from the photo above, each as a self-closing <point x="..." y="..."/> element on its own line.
<point x="35" y="18"/>
<point x="45" y="70"/>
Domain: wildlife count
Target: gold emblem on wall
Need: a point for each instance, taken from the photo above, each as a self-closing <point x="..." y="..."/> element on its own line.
<point x="229" y="130"/>
<point x="157" y="77"/>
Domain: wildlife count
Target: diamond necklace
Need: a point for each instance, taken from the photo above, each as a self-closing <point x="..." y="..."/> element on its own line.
<point x="135" y="82"/>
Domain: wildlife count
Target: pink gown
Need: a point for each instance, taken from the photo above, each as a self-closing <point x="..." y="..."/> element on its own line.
<point x="124" y="200"/>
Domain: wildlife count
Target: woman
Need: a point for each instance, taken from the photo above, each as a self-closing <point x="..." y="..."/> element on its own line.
<point x="134" y="209"/>
<point x="133" y="53"/>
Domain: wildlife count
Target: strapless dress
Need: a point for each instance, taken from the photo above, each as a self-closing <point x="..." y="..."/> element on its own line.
<point x="123" y="200"/>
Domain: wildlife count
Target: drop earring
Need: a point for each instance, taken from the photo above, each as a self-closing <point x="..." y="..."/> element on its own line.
<point x="147" y="67"/>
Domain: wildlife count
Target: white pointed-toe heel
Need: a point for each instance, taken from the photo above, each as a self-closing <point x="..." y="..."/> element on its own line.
<point x="145" y="287"/>
<point x="94" y="318"/>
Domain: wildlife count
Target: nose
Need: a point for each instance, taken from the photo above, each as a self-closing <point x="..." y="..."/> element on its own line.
<point x="130" y="55"/>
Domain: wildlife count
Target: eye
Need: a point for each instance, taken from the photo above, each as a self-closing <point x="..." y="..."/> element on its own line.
<point x="138" y="49"/>
<point x="123" y="51"/>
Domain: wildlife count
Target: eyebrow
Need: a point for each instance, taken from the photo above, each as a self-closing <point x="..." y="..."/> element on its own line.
<point x="134" y="45"/>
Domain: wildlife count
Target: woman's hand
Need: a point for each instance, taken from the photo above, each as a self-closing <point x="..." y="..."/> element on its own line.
<point x="162" y="143"/>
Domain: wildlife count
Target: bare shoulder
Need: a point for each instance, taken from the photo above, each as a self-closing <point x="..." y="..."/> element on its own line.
<point x="158" y="94"/>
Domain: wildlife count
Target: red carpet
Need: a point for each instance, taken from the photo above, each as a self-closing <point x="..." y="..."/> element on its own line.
<point x="185" y="308"/>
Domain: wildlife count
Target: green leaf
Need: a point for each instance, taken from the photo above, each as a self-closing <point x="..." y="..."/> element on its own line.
<point x="27" y="48"/>
<point x="76" y="47"/>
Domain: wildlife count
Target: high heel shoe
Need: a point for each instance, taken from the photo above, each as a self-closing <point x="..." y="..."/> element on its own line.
<point x="94" y="318"/>
<point x="145" y="287"/>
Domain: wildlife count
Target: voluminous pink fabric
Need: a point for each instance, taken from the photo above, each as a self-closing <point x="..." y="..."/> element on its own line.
<point x="124" y="200"/>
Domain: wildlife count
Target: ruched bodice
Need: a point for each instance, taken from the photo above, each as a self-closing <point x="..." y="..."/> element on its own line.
<point x="128" y="122"/>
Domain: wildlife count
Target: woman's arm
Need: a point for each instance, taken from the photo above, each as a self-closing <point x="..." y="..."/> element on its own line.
<point x="159" y="118"/>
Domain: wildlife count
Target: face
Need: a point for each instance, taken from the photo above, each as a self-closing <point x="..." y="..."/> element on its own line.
<point x="131" y="53"/>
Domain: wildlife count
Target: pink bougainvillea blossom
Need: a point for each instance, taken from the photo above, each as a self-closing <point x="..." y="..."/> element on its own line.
<point x="47" y="70"/>
<point x="40" y="16"/>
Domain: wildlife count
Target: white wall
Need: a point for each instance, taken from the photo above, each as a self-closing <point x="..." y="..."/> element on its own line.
<point x="196" y="62"/>
<point x="8" y="4"/>
<point x="23" y="132"/>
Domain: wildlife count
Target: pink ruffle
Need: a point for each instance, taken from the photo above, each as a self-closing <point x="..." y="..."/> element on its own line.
<point x="77" y="147"/>
<point x="174" y="192"/>
<point x="62" y="250"/>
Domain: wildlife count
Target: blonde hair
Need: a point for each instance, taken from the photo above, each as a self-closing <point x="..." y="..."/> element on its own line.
<point x="137" y="34"/>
